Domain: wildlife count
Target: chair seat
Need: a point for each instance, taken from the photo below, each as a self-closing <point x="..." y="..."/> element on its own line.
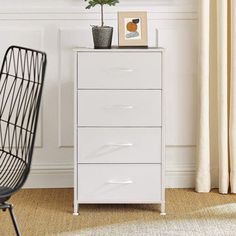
<point x="3" y="191"/>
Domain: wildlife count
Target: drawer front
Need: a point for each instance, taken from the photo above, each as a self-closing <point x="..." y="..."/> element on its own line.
<point x="107" y="183"/>
<point x="119" y="145"/>
<point x="137" y="70"/>
<point x="119" y="108"/>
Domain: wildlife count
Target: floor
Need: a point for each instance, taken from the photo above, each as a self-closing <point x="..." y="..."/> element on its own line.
<point x="49" y="212"/>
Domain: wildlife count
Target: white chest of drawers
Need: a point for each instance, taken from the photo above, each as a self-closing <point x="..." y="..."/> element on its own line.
<point x="119" y="127"/>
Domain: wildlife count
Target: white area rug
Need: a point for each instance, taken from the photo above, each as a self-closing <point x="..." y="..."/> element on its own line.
<point x="215" y="221"/>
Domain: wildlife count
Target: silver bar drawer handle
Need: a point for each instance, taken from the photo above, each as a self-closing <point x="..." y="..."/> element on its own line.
<point x="127" y="107"/>
<point x="120" y="144"/>
<point x="123" y="69"/>
<point x="128" y="70"/>
<point x="120" y="182"/>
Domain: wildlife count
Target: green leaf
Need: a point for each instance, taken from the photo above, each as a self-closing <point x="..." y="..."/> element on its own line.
<point x="93" y="3"/>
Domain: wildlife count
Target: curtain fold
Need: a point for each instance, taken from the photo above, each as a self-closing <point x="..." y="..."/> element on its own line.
<point x="216" y="146"/>
<point x="232" y="127"/>
<point x="203" y="150"/>
<point x="222" y="78"/>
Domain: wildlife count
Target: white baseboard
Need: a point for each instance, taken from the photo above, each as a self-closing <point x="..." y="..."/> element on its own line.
<point x="50" y="176"/>
<point x="61" y="176"/>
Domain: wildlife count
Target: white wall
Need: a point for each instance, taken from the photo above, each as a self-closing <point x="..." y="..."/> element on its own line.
<point x="56" y="26"/>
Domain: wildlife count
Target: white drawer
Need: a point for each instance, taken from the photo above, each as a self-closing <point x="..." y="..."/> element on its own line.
<point x="119" y="145"/>
<point x="107" y="183"/>
<point x="119" y="70"/>
<point x="119" y="108"/>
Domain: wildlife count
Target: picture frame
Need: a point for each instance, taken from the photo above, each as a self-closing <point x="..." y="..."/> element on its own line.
<point x="132" y="29"/>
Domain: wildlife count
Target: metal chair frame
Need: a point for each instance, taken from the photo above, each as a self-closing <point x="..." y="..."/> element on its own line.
<point x="21" y="83"/>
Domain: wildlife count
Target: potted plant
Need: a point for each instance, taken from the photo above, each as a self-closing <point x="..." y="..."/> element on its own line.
<point x="102" y="35"/>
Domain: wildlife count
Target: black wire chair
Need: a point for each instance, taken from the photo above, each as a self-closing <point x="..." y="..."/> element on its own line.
<point x="21" y="83"/>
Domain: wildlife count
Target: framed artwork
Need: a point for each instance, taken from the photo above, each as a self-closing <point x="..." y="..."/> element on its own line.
<point x="132" y="28"/>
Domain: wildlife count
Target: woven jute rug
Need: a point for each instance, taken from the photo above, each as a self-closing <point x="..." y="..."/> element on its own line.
<point x="49" y="212"/>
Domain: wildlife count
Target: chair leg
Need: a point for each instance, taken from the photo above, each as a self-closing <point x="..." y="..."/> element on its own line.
<point x="13" y="218"/>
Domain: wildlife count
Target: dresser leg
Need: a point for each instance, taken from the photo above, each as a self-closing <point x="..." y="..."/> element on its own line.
<point x="162" y="210"/>
<point x="76" y="209"/>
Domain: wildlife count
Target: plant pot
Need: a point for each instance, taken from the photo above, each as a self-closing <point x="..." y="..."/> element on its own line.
<point x="102" y="37"/>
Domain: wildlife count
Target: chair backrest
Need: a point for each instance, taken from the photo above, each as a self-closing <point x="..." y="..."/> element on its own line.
<point x="21" y="82"/>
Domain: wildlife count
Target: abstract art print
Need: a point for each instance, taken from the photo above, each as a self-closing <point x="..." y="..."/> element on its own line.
<point x="132" y="29"/>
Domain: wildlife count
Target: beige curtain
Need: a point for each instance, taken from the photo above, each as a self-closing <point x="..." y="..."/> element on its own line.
<point x="216" y="148"/>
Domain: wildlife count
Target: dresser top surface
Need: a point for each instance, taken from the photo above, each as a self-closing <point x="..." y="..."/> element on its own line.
<point x="117" y="49"/>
